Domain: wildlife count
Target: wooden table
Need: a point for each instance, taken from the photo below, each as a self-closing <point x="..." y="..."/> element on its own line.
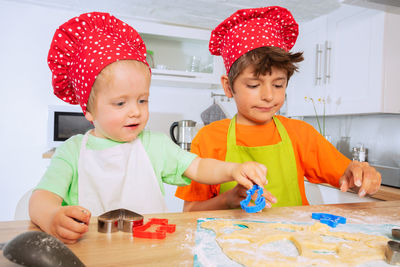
<point x="121" y="249"/>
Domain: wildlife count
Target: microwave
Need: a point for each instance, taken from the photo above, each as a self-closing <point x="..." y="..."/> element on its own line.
<point x="65" y="121"/>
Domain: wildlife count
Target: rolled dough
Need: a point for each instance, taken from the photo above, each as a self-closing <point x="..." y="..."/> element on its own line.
<point x="244" y="242"/>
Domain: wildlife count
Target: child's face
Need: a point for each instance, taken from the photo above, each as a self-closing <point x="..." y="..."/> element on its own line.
<point x="120" y="109"/>
<point x="259" y="98"/>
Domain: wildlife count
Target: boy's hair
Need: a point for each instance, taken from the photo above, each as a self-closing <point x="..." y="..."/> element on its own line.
<point x="263" y="59"/>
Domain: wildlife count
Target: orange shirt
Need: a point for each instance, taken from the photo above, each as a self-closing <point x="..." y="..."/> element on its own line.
<point x="316" y="159"/>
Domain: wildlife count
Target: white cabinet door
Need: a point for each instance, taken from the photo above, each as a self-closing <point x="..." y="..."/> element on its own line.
<point x="355" y="62"/>
<point x="308" y="81"/>
<point x="359" y="71"/>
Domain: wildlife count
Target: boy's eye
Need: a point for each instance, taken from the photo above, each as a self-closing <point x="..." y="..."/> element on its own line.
<point x="141" y="101"/>
<point x="278" y="85"/>
<point x="252" y="86"/>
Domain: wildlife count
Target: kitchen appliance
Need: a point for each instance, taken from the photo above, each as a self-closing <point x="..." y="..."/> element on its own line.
<point x="64" y="122"/>
<point x="185" y="133"/>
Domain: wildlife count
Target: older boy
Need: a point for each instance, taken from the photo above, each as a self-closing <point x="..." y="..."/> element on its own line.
<point x="255" y="44"/>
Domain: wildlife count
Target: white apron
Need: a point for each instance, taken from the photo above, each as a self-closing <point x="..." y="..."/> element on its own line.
<point x="118" y="177"/>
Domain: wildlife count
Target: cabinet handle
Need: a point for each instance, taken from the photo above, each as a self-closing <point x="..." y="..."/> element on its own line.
<point x="318" y="65"/>
<point x="328" y="52"/>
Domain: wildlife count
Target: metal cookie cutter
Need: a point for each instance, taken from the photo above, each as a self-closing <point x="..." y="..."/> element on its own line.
<point x="118" y="220"/>
<point x="392" y="252"/>
<point x="259" y="203"/>
<point x="396" y="233"/>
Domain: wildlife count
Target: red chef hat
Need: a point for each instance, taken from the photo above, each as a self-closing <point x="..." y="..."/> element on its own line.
<point x="247" y="29"/>
<point x="83" y="46"/>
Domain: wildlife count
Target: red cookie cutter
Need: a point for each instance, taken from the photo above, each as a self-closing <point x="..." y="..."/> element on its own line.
<point x="160" y="233"/>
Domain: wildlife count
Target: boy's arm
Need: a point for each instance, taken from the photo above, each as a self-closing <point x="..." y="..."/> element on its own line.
<point x="66" y="223"/>
<point x="212" y="171"/>
<point x="227" y="200"/>
<point x="327" y="164"/>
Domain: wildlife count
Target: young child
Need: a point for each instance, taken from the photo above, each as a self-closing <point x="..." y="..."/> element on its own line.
<point x="255" y="44"/>
<point x="99" y="62"/>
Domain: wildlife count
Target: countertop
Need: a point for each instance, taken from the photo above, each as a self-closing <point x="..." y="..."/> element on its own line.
<point x="177" y="249"/>
<point x="384" y="192"/>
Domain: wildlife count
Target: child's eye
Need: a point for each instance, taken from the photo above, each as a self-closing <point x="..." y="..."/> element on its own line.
<point x="142" y="101"/>
<point x="120" y="103"/>
<point x="278" y="86"/>
<point x="252" y="86"/>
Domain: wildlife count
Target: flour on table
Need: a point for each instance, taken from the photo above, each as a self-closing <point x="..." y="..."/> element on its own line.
<point x="259" y="243"/>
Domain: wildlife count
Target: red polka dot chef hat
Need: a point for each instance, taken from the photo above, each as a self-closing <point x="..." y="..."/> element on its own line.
<point x="248" y="29"/>
<point x="85" y="45"/>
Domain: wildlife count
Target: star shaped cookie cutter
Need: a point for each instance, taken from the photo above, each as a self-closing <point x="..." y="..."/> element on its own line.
<point x="328" y="219"/>
<point x="259" y="203"/>
<point x="118" y="220"/>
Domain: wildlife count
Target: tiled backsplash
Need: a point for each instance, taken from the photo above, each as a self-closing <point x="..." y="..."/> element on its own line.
<point x="380" y="134"/>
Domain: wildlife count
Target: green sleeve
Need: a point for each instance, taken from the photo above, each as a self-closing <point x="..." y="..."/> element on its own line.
<point x="61" y="176"/>
<point x="168" y="159"/>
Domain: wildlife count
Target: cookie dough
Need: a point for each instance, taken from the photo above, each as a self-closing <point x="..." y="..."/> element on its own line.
<point x="246" y="242"/>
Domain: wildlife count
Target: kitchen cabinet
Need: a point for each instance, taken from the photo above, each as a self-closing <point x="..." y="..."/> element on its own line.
<point x="308" y="81"/>
<point x="181" y="56"/>
<point x="352" y="66"/>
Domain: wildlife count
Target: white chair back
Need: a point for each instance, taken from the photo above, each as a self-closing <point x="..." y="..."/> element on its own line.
<point x="22" y="209"/>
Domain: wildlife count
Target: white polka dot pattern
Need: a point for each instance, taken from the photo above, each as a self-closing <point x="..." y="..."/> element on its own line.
<point x="248" y="29"/>
<point x="83" y="46"/>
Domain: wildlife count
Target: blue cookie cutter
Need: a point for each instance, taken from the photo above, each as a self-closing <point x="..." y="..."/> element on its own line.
<point x="259" y="203"/>
<point x="329" y="219"/>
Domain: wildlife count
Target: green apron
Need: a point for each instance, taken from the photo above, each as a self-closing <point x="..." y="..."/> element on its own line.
<point x="279" y="160"/>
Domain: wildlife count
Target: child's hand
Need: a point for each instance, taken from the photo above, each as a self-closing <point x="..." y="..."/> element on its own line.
<point x="233" y="197"/>
<point x="69" y="223"/>
<point x="361" y="175"/>
<point x="250" y="173"/>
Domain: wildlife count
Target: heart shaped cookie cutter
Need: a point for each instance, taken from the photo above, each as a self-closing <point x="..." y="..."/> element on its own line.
<point x="118" y="220"/>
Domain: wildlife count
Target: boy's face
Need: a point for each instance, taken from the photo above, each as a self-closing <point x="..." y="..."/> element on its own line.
<point x="257" y="98"/>
<point x="120" y="109"/>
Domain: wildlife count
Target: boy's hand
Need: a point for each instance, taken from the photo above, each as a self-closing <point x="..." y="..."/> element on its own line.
<point x="238" y="193"/>
<point x="361" y="175"/>
<point x="69" y="223"/>
<point x="250" y="173"/>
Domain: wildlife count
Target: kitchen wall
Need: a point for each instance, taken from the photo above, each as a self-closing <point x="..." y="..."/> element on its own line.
<point x="380" y="134"/>
<point x="25" y="93"/>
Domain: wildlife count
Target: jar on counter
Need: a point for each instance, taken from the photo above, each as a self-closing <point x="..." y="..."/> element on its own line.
<point x="362" y="153"/>
<point x="354" y="153"/>
<point x="359" y="153"/>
